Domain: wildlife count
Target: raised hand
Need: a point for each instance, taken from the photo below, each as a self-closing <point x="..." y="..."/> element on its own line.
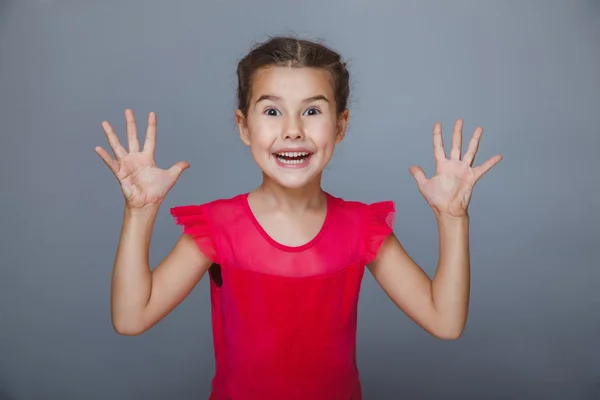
<point x="449" y="191"/>
<point x="142" y="182"/>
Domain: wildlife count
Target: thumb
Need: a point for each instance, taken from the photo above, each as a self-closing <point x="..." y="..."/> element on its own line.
<point x="178" y="168"/>
<point x="418" y="174"/>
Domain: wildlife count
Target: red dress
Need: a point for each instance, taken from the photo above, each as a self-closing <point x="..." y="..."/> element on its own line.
<point x="284" y="318"/>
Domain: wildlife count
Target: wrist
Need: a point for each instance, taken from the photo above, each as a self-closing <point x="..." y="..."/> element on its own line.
<point x="448" y="219"/>
<point x="147" y="211"/>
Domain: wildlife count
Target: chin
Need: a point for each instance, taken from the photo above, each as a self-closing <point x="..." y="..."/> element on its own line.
<point x="293" y="178"/>
<point x="292" y="182"/>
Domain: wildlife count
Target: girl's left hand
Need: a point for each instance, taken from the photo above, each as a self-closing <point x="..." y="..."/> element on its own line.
<point x="448" y="192"/>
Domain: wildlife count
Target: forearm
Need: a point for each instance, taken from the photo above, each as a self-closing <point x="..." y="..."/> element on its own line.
<point x="451" y="284"/>
<point x="132" y="276"/>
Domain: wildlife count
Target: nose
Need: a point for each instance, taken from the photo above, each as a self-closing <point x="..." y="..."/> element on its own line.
<point x="293" y="129"/>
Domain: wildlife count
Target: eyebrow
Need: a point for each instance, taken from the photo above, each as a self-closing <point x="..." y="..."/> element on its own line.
<point x="277" y="98"/>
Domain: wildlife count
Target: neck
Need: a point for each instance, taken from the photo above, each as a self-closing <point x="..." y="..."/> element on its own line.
<point x="299" y="199"/>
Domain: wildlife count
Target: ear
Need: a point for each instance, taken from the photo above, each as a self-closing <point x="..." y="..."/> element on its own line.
<point x="242" y="125"/>
<point x="342" y="123"/>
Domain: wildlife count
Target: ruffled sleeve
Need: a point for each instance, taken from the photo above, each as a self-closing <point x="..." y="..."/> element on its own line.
<point x="195" y="221"/>
<point x="379" y="224"/>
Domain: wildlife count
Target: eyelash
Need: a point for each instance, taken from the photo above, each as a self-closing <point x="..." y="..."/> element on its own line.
<point x="310" y="109"/>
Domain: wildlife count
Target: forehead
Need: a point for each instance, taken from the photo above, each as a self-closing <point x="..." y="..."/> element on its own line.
<point x="292" y="82"/>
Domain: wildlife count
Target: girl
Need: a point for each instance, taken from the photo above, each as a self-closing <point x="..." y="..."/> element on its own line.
<point x="286" y="260"/>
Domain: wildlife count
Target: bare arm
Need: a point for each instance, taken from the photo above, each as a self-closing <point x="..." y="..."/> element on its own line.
<point x="141" y="297"/>
<point x="440" y="305"/>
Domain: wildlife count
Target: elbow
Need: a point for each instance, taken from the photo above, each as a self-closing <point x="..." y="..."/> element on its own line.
<point x="127" y="331"/>
<point x="449" y="333"/>
<point x="127" y="328"/>
<point x="448" y="327"/>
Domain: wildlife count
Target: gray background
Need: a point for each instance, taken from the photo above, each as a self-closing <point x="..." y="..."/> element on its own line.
<point x="528" y="71"/>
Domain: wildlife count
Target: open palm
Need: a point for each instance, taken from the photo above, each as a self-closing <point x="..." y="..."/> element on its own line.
<point x="142" y="182"/>
<point x="449" y="191"/>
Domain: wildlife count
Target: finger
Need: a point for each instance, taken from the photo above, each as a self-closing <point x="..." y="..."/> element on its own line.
<point x="473" y="146"/>
<point x="456" y="140"/>
<point x="118" y="150"/>
<point x="178" y="168"/>
<point x="110" y="162"/>
<point x="132" y="140"/>
<point x="418" y="174"/>
<point x="150" y="142"/>
<point x="486" y="166"/>
<point x="438" y="143"/>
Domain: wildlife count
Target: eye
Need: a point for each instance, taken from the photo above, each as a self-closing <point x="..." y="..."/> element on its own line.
<point x="272" y="112"/>
<point x="312" y="111"/>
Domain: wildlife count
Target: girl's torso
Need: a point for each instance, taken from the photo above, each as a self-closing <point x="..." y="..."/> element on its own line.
<point x="284" y="318"/>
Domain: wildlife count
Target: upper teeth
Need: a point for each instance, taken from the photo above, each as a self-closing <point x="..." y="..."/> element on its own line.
<point x="293" y="154"/>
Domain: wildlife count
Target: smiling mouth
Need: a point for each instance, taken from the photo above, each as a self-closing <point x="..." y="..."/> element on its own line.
<point x="292" y="158"/>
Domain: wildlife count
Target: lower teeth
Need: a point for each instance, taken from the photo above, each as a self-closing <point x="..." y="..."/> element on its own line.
<point x="291" y="161"/>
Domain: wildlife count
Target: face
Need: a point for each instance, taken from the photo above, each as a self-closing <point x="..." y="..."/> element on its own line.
<point x="292" y="126"/>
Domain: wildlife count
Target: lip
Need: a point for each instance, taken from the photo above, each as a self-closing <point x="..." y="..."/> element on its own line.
<point x="293" y="150"/>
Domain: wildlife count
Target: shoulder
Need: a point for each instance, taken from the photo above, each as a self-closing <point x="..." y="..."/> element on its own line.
<point x="204" y="222"/>
<point x="364" y="224"/>
<point x="368" y="216"/>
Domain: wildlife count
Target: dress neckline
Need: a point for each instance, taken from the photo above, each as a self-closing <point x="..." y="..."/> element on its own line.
<point x="281" y="246"/>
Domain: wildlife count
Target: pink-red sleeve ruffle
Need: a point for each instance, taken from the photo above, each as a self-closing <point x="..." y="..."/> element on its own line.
<point x="379" y="221"/>
<point x="196" y="222"/>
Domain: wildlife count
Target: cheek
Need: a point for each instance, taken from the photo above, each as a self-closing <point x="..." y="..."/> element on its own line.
<point x="260" y="146"/>
<point x="323" y="132"/>
<point x="262" y="134"/>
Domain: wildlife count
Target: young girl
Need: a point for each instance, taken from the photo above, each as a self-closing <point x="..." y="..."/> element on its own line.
<point x="286" y="260"/>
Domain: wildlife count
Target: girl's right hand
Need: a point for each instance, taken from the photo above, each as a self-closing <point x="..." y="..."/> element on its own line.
<point x="142" y="182"/>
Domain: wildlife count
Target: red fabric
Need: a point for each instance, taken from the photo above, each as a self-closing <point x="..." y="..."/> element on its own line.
<point x="284" y="318"/>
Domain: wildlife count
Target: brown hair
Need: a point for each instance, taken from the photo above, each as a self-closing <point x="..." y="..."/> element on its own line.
<point x="292" y="52"/>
